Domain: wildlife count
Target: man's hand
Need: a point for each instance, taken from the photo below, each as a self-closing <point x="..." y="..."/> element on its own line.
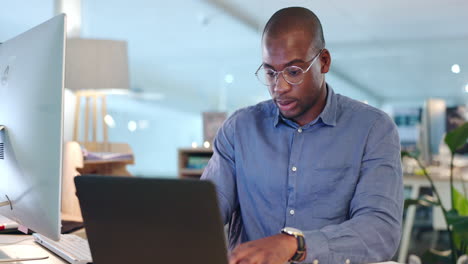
<point x="277" y="249"/>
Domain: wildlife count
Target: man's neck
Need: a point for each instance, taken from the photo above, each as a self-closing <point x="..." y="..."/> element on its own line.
<point x="316" y="110"/>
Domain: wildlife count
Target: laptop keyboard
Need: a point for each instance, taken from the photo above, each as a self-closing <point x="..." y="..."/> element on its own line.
<point x="72" y="248"/>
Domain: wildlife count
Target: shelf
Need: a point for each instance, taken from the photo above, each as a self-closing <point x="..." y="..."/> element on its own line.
<point x="126" y="161"/>
<point x="186" y="154"/>
<point x="196" y="150"/>
<point x="191" y="172"/>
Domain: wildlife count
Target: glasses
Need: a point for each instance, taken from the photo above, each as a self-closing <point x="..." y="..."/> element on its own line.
<point x="292" y="74"/>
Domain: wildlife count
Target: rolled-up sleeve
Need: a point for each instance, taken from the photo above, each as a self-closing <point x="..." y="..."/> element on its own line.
<point x="221" y="169"/>
<point x="372" y="233"/>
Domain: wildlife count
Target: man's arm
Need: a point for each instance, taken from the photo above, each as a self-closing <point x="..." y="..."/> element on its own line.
<point x="221" y="170"/>
<point x="373" y="232"/>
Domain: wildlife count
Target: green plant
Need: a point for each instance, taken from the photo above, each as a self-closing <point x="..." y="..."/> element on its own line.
<point x="456" y="218"/>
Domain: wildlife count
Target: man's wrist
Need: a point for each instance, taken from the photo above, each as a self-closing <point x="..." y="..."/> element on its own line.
<point x="290" y="244"/>
<point x="297" y="244"/>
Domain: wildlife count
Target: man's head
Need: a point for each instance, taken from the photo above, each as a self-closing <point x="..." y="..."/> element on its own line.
<point x="293" y="37"/>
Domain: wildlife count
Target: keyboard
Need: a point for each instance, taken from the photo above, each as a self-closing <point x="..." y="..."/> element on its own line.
<point x="71" y="248"/>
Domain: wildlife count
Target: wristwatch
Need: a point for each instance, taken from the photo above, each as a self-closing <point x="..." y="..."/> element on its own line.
<point x="301" y="246"/>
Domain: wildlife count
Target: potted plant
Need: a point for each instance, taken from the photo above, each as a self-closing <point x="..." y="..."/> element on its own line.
<point x="456" y="217"/>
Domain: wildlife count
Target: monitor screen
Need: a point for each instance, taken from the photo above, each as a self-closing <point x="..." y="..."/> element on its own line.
<point x="31" y="113"/>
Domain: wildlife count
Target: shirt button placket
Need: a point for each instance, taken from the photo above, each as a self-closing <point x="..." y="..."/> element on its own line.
<point x="292" y="212"/>
<point x="294" y="159"/>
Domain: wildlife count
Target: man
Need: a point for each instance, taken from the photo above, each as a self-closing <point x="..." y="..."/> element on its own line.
<point x="323" y="166"/>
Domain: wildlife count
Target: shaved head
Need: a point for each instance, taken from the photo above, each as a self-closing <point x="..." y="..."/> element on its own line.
<point x="296" y="19"/>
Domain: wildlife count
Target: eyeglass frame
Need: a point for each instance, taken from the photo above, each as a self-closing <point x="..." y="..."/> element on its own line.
<point x="277" y="73"/>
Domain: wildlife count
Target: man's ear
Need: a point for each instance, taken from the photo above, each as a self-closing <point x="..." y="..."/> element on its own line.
<point x="325" y="61"/>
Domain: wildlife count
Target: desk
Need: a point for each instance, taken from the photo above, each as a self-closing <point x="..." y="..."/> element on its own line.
<point x="22" y="241"/>
<point x="24" y="246"/>
<point x="25" y="243"/>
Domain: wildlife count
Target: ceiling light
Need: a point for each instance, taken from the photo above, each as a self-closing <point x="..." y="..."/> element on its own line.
<point x="132" y="126"/>
<point x="110" y="122"/>
<point x="466" y="88"/>
<point x="229" y="78"/>
<point x="456" y="68"/>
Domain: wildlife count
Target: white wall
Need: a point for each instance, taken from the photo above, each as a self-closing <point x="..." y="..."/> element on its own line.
<point x="342" y="87"/>
<point x="20" y="15"/>
<point x="160" y="132"/>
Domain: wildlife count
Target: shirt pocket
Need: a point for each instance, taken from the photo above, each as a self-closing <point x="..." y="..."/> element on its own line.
<point x="330" y="191"/>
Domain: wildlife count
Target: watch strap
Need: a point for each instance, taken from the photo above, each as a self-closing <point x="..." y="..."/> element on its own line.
<point x="301" y="245"/>
<point x="301" y="250"/>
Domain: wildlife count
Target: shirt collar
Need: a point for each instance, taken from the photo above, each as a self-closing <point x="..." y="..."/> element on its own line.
<point x="328" y="115"/>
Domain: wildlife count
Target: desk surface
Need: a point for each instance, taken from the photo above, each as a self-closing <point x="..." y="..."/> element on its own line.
<point x="23" y="246"/>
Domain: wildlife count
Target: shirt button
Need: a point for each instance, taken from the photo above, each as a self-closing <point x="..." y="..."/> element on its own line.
<point x="299" y="130"/>
<point x="294" y="168"/>
<point x="291" y="212"/>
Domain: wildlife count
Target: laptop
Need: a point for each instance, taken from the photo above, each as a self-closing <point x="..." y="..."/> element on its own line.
<point x="144" y="220"/>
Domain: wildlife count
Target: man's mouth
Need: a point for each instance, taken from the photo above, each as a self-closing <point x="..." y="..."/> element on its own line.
<point x="286" y="105"/>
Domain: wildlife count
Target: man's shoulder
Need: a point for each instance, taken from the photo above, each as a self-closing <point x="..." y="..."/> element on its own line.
<point x="261" y="110"/>
<point x="357" y="109"/>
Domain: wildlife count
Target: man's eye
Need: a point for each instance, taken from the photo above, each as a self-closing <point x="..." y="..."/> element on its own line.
<point x="270" y="74"/>
<point x="293" y="72"/>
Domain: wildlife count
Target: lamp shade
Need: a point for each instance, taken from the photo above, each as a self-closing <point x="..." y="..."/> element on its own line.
<point x="94" y="64"/>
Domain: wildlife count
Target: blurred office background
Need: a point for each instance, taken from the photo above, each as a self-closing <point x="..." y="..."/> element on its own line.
<point x="186" y="57"/>
<point x="191" y="56"/>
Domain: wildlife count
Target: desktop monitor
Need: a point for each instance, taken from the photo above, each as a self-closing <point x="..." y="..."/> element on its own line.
<point x="31" y="123"/>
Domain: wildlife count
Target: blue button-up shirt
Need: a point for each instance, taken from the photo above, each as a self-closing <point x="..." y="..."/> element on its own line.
<point x="338" y="179"/>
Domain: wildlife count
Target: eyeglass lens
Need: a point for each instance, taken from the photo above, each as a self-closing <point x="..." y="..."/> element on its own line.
<point x="291" y="74"/>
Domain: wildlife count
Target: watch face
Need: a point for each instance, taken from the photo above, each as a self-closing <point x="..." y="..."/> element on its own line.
<point x="292" y="231"/>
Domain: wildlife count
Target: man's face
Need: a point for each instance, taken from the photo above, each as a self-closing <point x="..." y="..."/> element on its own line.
<point x="299" y="102"/>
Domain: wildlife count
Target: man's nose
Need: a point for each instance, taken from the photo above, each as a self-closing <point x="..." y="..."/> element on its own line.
<point x="281" y="85"/>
